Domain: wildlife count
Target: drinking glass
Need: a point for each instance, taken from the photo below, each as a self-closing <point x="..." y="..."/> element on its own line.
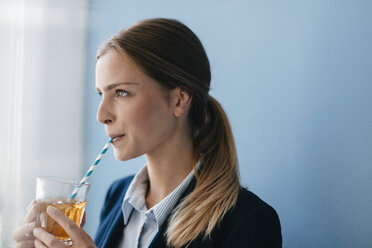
<point x="60" y="193"/>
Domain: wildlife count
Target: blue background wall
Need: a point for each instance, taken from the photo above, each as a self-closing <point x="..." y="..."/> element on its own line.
<point x="295" y="78"/>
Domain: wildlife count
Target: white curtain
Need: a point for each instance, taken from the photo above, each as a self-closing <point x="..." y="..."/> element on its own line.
<point x="42" y="57"/>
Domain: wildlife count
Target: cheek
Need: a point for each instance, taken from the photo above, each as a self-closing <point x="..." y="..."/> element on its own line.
<point x="152" y="118"/>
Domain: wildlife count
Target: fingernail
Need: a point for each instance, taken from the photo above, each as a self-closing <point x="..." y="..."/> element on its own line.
<point x="37" y="243"/>
<point x="51" y="210"/>
<point x="33" y="208"/>
<point x="37" y="231"/>
<point x="31" y="225"/>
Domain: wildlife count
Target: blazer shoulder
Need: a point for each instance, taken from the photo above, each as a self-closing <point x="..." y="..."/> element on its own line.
<point x="248" y="203"/>
<point x="248" y="200"/>
<point x="252" y="221"/>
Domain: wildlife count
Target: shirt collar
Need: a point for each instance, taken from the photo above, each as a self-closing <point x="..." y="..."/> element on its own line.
<point x="135" y="197"/>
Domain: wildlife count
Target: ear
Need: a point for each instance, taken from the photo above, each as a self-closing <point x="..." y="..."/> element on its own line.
<point x="181" y="101"/>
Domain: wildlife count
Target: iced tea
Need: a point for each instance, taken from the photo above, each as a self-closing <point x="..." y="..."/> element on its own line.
<point x="73" y="209"/>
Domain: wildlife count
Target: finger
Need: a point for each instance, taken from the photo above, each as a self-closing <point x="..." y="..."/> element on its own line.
<point x="39" y="244"/>
<point x="25" y="244"/>
<point x="31" y="203"/>
<point x="87" y="237"/>
<point x="66" y="223"/>
<point x="24" y="232"/>
<point x="45" y="239"/>
<point x="83" y="221"/>
<point x="31" y="214"/>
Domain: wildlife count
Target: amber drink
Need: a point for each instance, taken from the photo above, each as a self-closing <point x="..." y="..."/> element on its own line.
<point x="56" y="192"/>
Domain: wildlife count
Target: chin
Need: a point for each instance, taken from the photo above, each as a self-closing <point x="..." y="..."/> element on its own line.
<point x="120" y="156"/>
<point x="124" y="156"/>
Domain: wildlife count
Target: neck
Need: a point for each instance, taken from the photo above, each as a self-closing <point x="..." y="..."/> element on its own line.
<point x="167" y="167"/>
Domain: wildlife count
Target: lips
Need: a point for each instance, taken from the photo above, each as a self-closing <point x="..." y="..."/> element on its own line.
<point x="116" y="138"/>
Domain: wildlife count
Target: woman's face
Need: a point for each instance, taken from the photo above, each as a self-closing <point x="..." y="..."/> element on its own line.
<point x="133" y="108"/>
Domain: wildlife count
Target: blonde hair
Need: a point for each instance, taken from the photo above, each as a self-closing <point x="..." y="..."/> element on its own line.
<point x="172" y="54"/>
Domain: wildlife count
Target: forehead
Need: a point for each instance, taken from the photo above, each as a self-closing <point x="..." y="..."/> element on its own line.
<point x="115" y="67"/>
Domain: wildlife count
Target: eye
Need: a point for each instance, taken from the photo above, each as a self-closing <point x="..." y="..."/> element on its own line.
<point x="121" y="93"/>
<point x="99" y="93"/>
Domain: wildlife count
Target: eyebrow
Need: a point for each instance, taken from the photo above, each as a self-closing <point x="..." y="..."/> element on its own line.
<point x="114" y="85"/>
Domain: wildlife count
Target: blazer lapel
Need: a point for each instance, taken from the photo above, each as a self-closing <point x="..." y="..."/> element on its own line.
<point x="115" y="232"/>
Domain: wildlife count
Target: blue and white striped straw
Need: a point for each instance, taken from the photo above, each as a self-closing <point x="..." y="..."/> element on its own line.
<point x="91" y="169"/>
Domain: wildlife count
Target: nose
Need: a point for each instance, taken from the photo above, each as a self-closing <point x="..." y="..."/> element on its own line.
<point x="105" y="112"/>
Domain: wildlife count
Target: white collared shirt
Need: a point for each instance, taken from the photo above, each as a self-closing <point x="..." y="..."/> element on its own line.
<point x="142" y="224"/>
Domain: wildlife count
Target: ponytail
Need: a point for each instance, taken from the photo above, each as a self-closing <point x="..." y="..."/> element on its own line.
<point x="217" y="184"/>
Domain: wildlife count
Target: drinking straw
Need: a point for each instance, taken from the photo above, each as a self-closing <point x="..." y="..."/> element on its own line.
<point x="91" y="169"/>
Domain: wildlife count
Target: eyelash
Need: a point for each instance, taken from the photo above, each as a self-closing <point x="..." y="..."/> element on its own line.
<point x="117" y="93"/>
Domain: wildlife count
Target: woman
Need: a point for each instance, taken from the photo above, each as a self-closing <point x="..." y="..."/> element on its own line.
<point x="154" y="80"/>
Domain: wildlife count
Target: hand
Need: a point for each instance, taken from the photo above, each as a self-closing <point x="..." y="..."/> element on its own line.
<point x="79" y="237"/>
<point x="23" y="235"/>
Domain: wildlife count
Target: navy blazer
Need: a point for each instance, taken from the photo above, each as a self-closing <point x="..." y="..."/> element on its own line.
<point x="251" y="223"/>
